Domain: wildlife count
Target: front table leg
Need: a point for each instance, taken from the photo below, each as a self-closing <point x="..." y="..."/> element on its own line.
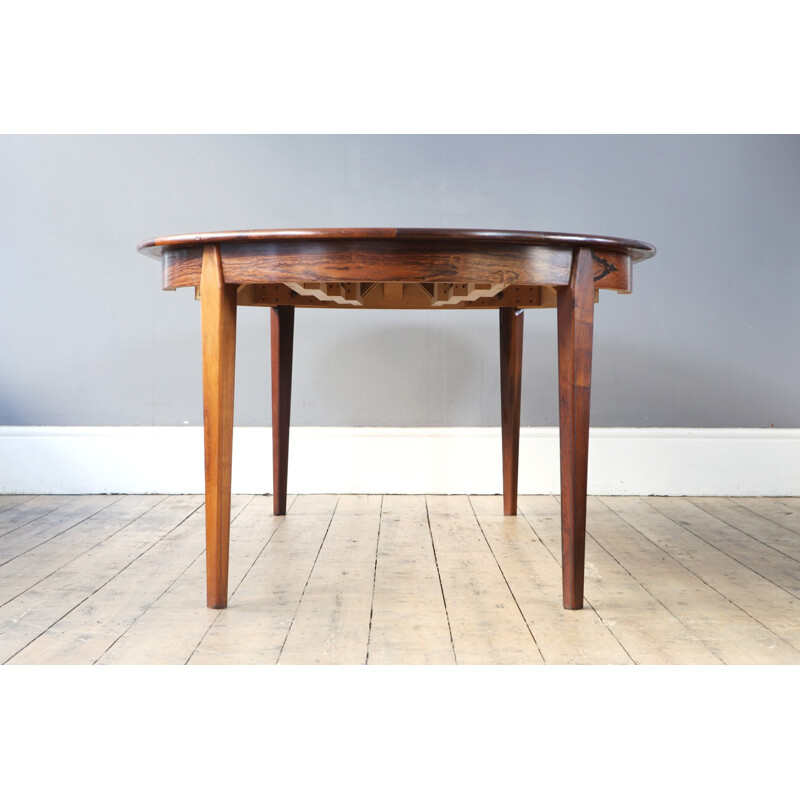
<point x="575" y="323"/>
<point x="218" y="311"/>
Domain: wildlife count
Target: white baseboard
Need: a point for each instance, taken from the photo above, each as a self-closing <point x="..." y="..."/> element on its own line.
<point x="662" y="461"/>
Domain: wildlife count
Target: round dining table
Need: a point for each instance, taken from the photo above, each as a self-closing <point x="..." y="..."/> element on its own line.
<point x="397" y="268"/>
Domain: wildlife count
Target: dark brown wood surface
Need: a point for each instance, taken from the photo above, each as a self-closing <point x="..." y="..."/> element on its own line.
<point x="282" y="334"/>
<point x="638" y="250"/>
<point x="396" y="255"/>
<point x="575" y="329"/>
<point x="511" y="327"/>
<point x="395" y="260"/>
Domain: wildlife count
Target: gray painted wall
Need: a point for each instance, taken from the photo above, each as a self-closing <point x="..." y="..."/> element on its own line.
<point x="710" y="336"/>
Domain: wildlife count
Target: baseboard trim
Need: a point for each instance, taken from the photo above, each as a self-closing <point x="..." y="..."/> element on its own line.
<point x="622" y="461"/>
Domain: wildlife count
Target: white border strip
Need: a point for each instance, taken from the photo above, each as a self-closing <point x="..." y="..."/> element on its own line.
<point x="663" y="461"/>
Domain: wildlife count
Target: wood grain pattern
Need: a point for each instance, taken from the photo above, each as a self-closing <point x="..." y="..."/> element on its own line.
<point x="533" y="574"/>
<point x="384" y="261"/>
<point x="331" y="623"/>
<point x="88" y="630"/>
<point x="394" y="261"/>
<point x="254" y="628"/>
<point x="15" y="515"/>
<point x="760" y="557"/>
<point x="181" y="266"/>
<point x="21" y="537"/>
<point x="76" y="586"/>
<point x="540" y="259"/>
<point x="170" y="630"/>
<point x="8" y="501"/>
<point x="638" y="250"/>
<point x="777" y="609"/>
<point x="619" y="586"/>
<point x="666" y="583"/>
<point x="409" y="622"/>
<point x="81" y="534"/>
<point x="760" y="528"/>
<point x="485" y="620"/>
<point x="511" y="329"/>
<point x="575" y="326"/>
<point x="784" y="511"/>
<point x="218" y="311"/>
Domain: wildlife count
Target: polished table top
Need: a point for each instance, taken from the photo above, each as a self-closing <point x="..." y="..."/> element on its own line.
<point x="447" y="268"/>
<point x="397" y="268"/>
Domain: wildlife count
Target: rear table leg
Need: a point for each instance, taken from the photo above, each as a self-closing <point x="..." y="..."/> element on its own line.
<point x="511" y="323"/>
<point x="282" y="340"/>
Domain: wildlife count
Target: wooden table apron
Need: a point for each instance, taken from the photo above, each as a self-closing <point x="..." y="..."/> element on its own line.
<point x="397" y="268"/>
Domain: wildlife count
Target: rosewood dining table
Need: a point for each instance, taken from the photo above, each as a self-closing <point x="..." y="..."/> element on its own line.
<point x="397" y="268"/>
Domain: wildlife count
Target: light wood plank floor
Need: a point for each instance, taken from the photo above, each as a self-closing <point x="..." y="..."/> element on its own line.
<point x="399" y="580"/>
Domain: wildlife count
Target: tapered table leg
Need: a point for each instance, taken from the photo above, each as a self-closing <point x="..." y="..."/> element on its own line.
<point x="511" y="324"/>
<point x="282" y="340"/>
<point x="575" y="324"/>
<point x="218" y="309"/>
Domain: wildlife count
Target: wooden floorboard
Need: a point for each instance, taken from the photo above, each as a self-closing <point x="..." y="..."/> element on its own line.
<point x="753" y="525"/>
<point x="369" y="579"/>
<point x="784" y="511"/>
<point x="617" y="587"/>
<point x="31" y="524"/>
<point x="171" y="629"/>
<point x="764" y="612"/>
<point x="486" y="622"/>
<point x="533" y="575"/>
<point x="16" y="514"/>
<point x="33" y="565"/>
<point x="331" y="624"/>
<point x="8" y="501"/>
<point x="776" y="567"/>
<point x="74" y="615"/>
<point x="409" y="623"/>
<point x="254" y="627"/>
